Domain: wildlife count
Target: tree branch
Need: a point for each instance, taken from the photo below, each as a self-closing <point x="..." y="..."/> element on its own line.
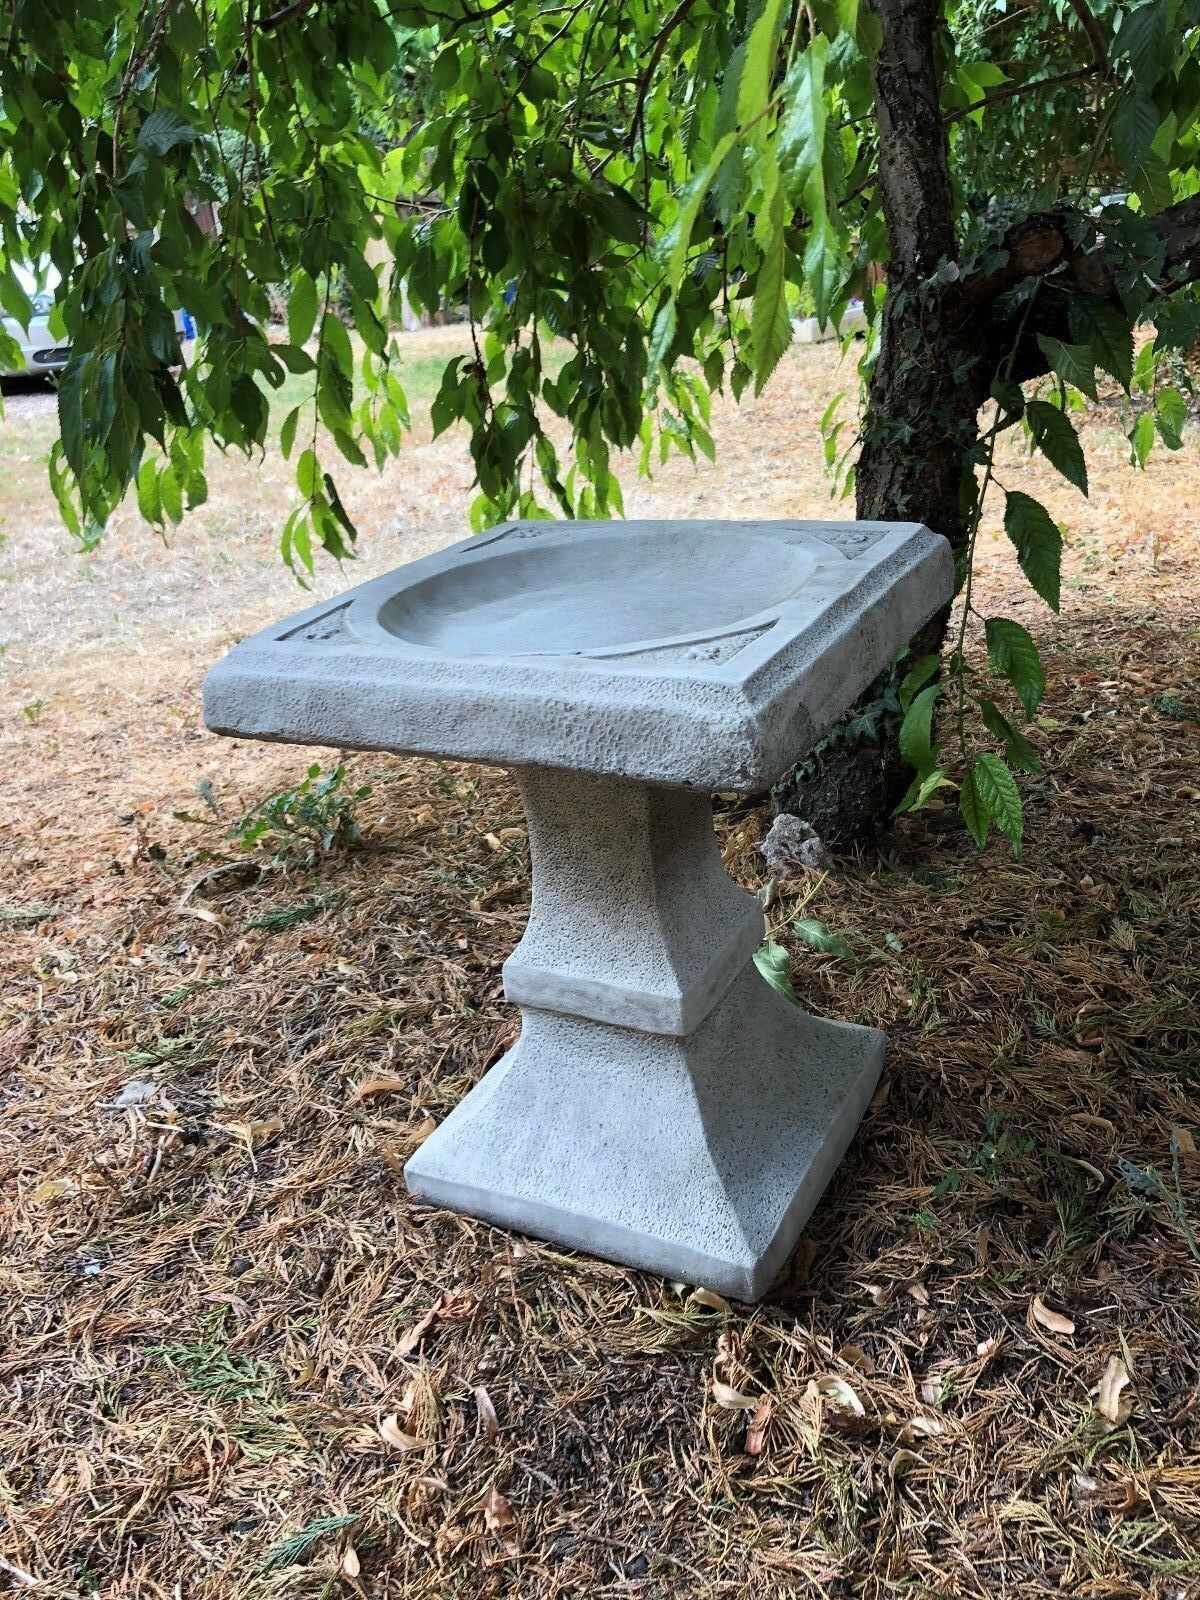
<point x="1095" y="35"/>
<point x="1014" y="90"/>
<point x="1039" y="244"/>
<point x="656" y="50"/>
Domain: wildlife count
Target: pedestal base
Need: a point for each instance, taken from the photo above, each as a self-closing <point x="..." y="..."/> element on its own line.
<point x="698" y="1157"/>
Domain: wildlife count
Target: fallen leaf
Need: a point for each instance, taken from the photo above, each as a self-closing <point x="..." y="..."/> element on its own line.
<point x="1113" y="1404"/>
<point x="903" y="1461"/>
<point x="839" y="1392"/>
<point x="756" y="1433"/>
<point x="393" y="1434"/>
<point x="411" y="1337"/>
<point x="917" y="1292"/>
<point x="931" y="1391"/>
<point x="1183" y="1143"/>
<point x="488" y="1420"/>
<point x="1052" y="1321"/>
<point x="727" y="1396"/>
<point x="497" y="1513"/>
<point x="986" y="1348"/>
<point x="203" y="914"/>
<point x="855" y="1356"/>
<point x="707" y="1297"/>
<point x="134" y="1093"/>
<point x="921" y="1426"/>
<point x="52" y="1189"/>
<point x="351" y="1565"/>
<point x="372" y="1087"/>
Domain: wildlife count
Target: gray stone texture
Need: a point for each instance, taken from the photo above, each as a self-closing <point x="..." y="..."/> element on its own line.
<point x="663" y="1106"/>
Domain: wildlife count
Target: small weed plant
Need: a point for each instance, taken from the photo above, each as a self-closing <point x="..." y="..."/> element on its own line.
<point x="300" y="825"/>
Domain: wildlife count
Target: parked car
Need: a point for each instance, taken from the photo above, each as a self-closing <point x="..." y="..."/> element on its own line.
<point x="40" y="350"/>
<point x="43" y="352"/>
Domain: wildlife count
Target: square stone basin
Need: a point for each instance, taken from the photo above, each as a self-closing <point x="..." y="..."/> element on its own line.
<point x="701" y="653"/>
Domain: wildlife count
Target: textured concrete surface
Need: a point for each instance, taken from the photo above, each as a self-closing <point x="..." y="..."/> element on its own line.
<point x="634" y="919"/>
<point x="663" y="1105"/>
<point x="518" y="648"/>
<point x="699" y="1158"/>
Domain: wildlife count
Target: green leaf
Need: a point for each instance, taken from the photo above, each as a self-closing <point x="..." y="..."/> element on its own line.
<point x="287" y="434"/>
<point x="804" y="155"/>
<point x="1133" y="129"/>
<point x="1013" y="653"/>
<point x="1072" y="362"/>
<point x="1017" y="748"/>
<point x="1141" y="439"/>
<point x="1056" y="438"/>
<point x="679" y="236"/>
<point x="1038" y="543"/>
<point x="997" y="790"/>
<point x="974" y="813"/>
<point x="301" y="308"/>
<point x="307" y="474"/>
<point x="171" y="493"/>
<point x="148" y="496"/>
<point x="1009" y="396"/>
<point x="1151" y="182"/>
<point x="773" y="961"/>
<point x="1142" y="37"/>
<point x="818" y="937"/>
<point x="771" y="327"/>
<point x="1106" y="330"/>
<point x="916" y="731"/>
<point x="1170" y="409"/>
<point x="916" y="677"/>
<point x="164" y="130"/>
<point x="754" y="85"/>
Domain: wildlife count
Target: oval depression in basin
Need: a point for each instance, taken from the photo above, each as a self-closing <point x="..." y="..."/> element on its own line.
<point x="595" y="593"/>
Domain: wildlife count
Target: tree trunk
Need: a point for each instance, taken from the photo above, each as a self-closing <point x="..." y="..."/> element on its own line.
<point x="921" y="421"/>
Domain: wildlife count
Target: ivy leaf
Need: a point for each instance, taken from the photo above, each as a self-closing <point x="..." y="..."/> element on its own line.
<point x="1098" y="324"/>
<point x="997" y="790"/>
<point x="1038" y="543"/>
<point x="1055" y="437"/>
<point x="1013" y="653"/>
<point x="974" y="813"/>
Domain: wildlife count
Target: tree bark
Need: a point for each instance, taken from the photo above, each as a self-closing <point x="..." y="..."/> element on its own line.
<point x="923" y="403"/>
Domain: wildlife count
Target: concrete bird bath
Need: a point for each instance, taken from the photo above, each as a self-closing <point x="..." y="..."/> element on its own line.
<point x="663" y="1106"/>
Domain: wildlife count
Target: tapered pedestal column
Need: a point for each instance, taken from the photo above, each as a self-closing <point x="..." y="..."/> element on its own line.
<point x="663" y="1106"/>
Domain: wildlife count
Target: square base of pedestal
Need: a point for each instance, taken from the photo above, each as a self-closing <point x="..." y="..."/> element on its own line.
<point x="700" y="1158"/>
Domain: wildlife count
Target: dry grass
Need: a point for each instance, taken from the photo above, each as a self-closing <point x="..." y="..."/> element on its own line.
<point x="215" y="1297"/>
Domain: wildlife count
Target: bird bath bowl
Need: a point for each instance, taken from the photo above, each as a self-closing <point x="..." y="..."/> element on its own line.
<point x="663" y="1106"/>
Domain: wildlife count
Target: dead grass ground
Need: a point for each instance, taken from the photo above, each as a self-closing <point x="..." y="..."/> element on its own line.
<point x="237" y="1360"/>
